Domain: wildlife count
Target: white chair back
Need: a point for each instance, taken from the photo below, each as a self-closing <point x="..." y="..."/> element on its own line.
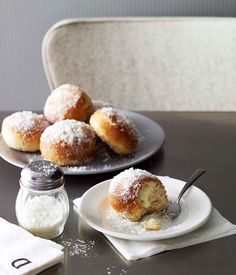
<point x="178" y="64"/>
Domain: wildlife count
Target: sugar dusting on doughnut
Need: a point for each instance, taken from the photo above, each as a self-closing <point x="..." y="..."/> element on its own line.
<point x="67" y="102"/>
<point x="68" y="142"/>
<point x="117" y="131"/>
<point x="26" y="121"/>
<point x="122" y="120"/>
<point x="63" y="96"/>
<point x="67" y="131"/>
<point x="22" y="130"/>
<point x="130" y="178"/>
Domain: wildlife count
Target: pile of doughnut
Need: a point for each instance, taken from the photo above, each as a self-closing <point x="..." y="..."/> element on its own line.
<point x="69" y="128"/>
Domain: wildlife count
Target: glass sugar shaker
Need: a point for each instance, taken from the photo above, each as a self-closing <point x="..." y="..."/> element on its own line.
<point x="42" y="205"/>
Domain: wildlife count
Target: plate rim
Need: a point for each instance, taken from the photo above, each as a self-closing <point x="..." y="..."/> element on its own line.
<point x="139" y="237"/>
<point x="134" y="161"/>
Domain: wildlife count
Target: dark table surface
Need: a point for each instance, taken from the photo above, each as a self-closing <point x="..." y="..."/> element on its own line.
<point x="193" y="140"/>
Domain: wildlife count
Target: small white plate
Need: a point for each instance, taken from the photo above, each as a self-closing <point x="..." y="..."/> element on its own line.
<point x="96" y="211"/>
<point x="152" y="137"/>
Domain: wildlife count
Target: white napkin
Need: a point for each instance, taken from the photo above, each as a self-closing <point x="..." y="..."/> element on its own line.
<point x="216" y="227"/>
<point x="23" y="253"/>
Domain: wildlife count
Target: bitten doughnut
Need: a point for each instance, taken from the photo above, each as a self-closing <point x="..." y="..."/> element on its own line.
<point x="68" y="142"/>
<point x="136" y="192"/>
<point x="68" y="102"/>
<point x="22" y="130"/>
<point x="115" y="129"/>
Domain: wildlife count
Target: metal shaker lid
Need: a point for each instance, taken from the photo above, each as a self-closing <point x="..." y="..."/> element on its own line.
<point x="42" y="175"/>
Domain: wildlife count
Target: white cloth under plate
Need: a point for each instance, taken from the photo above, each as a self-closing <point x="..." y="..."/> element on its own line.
<point x="216" y="227"/>
<point x="23" y="253"/>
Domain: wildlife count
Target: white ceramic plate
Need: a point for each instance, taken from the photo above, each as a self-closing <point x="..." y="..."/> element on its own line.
<point x="152" y="137"/>
<point x="96" y="211"/>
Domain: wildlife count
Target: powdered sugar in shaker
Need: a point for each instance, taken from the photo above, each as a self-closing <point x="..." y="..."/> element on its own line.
<point x="42" y="205"/>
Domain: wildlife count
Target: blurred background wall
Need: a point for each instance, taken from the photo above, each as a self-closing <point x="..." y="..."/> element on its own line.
<point x="23" y="23"/>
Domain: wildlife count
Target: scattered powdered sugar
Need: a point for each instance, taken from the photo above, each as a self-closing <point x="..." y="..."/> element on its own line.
<point x="104" y="160"/>
<point x="127" y="179"/>
<point x="26" y="121"/>
<point x="62" y="98"/>
<point x="117" y="222"/>
<point x="68" y="131"/>
<point x="83" y="248"/>
<point x="115" y="270"/>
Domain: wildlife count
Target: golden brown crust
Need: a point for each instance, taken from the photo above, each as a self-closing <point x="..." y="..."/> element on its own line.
<point x="68" y="142"/>
<point x="141" y="194"/>
<point x="82" y="109"/>
<point x="64" y="154"/>
<point x="119" y="134"/>
<point x="22" y="130"/>
<point x="68" y="102"/>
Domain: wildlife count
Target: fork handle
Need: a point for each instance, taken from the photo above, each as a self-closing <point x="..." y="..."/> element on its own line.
<point x="190" y="181"/>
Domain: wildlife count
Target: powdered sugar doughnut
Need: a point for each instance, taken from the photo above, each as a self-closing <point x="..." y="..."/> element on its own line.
<point x="68" y="102"/>
<point x="22" y="130"/>
<point x="115" y="129"/>
<point x="136" y="192"/>
<point x="68" y="142"/>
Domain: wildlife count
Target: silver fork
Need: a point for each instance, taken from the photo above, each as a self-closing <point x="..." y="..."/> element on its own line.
<point x="174" y="209"/>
